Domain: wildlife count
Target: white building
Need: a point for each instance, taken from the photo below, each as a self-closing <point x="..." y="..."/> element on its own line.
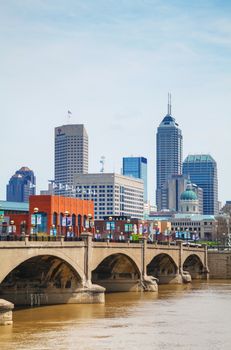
<point x="71" y="155"/>
<point x="203" y="227"/>
<point x="112" y="193"/>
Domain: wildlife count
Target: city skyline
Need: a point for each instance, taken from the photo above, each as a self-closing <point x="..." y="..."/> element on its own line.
<point x="91" y="59"/>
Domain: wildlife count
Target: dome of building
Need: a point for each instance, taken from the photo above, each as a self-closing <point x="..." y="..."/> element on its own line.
<point x="188" y="195"/>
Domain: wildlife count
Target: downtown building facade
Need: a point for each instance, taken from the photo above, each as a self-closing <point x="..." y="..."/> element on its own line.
<point x="113" y="194"/>
<point x="137" y="168"/>
<point x="202" y="170"/>
<point x="71" y="156"/>
<point x="168" y="156"/>
<point x="21" y="185"/>
<point x="176" y="185"/>
<point x="195" y="226"/>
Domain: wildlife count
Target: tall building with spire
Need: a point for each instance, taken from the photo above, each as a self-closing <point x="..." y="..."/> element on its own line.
<point x="168" y="155"/>
<point x="71" y="156"/>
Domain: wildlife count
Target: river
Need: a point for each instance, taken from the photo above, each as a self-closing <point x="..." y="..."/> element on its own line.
<point x="193" y="316"/>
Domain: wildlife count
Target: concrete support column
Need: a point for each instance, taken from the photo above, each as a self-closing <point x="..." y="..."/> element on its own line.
<point x="6" y="312"/>
<point x="147" y="283"/>
<point x="206" y="269"/>
<point x="180" y="245"/>
<point x="143" y="242"/>
<point x="87" y="237"/>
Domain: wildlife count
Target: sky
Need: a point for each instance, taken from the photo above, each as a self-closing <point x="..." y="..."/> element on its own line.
<point x="112" y="64"/>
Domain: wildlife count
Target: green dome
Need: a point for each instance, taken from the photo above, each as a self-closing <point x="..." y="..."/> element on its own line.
<point x="188" y="195"/>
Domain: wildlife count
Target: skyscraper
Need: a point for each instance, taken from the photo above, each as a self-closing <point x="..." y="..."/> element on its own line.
<point x="168" y="155"/>
<point x="136" y="167"/>
<point x="176" y="184"/>
<point x="21" y="185"/>
<point x="71" y="155"/>
<point x="202" y="169"/>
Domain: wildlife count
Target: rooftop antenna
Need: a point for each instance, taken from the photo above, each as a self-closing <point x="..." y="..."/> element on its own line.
<point x="169" y="104"/>
<point x="102" y="162"/>
<point x="69" y="114"/>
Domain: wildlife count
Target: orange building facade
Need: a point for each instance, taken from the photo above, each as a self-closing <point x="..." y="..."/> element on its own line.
<point x="60" y="215"/>
<point x="54" y="215"/>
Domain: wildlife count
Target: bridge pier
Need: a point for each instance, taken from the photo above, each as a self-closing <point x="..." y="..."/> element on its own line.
<point x="206" y="267"/>
<point x="147" y="283"/>
<point x="91" y="291"/>
<point x="5" y="312"/>
<point x="51" y="296"/>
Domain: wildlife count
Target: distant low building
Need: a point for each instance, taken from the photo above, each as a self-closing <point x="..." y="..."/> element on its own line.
<point x="189" y="226"/>
<point x="196" y="226"/>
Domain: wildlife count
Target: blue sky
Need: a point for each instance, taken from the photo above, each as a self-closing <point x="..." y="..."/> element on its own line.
<point x="112" y="64"/>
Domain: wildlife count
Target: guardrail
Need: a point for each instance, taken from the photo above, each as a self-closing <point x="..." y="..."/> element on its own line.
<point x="35" y="238"/>
<point x="219" y="247"/>
<point x="40" y="238"/>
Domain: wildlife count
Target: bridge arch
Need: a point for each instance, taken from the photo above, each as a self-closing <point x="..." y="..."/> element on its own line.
<point x="99" y="257"/>
<point x="117" y="272"/>
<point x="19" y="259"/>
<point x="163" y="267"/>
<point x="39" y="278"/>
<point x="194" y="266"/>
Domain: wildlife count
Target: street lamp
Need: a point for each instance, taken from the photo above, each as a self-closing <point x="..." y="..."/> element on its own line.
<point x="97" y="236"/>
<point x="187" y="231"/>
<point x="12" y="227"/>
<point x="156" y="227"/>
<point x="23" y="228"/>
<point x="91" y="222"/>
<point x="36" y="210"/>
<point x="53" y="230"/>
<point x="66" y="213"/>
<point x="168" y="234"/>
<point x="179" y="233"/>
<point x="110" y="226"/>
<point x="195" y="236"/>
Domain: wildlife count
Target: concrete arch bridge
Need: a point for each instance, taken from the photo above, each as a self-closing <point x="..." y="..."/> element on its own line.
<point x="38" y="272"/>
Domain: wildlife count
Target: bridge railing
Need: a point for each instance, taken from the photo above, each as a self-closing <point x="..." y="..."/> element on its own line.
<point x="12" y="238"/>
<point x="39" y="238"/>
<point x="219" y="248"/>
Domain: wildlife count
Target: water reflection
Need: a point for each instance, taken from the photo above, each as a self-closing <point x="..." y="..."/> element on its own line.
<point x="190" y="316"/>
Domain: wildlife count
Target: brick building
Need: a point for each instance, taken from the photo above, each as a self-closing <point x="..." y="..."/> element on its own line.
<point x="53" y="215"/>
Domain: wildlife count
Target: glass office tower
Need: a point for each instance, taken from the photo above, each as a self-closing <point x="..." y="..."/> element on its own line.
<point x="21" y="185"/>
<point x="136" y="167"/>
<point x="202" y="169"/>
<point x="168" y="155"/>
